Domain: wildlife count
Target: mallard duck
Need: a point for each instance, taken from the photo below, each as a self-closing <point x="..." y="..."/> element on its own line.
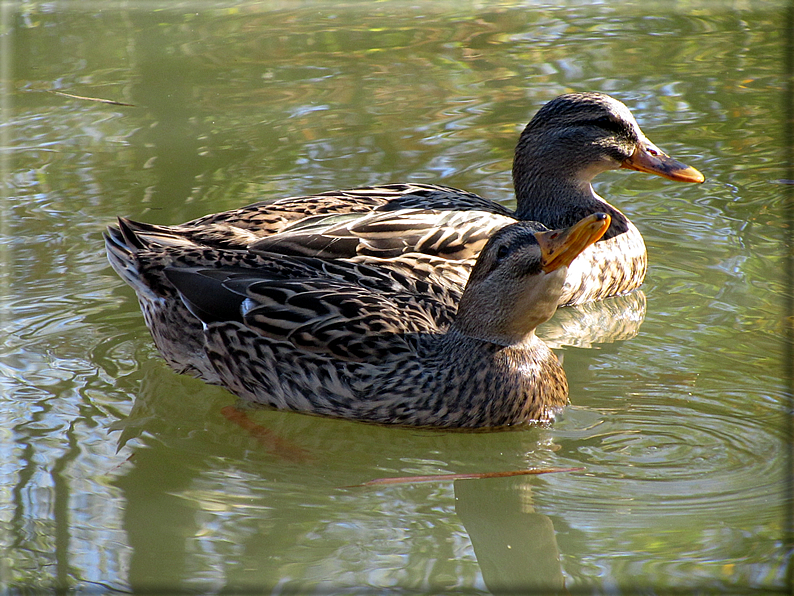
<point x="296" y="336"/>
<point x="567" y="143"/>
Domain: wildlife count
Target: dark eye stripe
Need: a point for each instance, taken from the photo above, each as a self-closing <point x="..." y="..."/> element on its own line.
<point x="609" y="124"/>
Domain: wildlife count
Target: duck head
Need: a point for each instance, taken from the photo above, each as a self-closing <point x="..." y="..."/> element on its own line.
<point x="518" y="278"/>
<point x="576" y="136"/>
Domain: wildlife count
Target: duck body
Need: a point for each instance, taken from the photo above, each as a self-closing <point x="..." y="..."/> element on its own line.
<point x="420" y="382"/>
<point x="373" y="342"/>
<point x="566" y="144"/>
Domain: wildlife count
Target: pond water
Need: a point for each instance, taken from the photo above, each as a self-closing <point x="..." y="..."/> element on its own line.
<point x="116" y="473"/>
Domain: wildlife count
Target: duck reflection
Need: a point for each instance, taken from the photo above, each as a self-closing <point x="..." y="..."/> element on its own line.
<point x="516" y="547"/>
<point x="208" y="504"/>
<point x="583" y="326"/>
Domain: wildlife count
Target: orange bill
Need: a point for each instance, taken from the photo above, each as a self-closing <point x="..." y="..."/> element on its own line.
<point x="648" y="158"/>
<point x="560" y="247"/>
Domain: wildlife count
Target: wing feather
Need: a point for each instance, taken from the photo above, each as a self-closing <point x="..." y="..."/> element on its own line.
<point x="319" y="314"/>
<point x="306" y="215"/>
<point x="447" y="234"/>
<point x="326" y="316"/>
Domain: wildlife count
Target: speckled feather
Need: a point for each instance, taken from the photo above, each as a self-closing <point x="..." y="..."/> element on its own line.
<point x="178" y="334"/>
<point x="413" y="386"/>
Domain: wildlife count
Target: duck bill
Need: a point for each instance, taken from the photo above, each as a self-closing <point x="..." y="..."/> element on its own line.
<point x="648" y="158"/>
<point x="560" y="247"/>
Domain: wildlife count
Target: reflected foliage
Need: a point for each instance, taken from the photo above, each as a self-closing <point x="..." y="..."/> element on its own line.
<point x="677" y="427"/>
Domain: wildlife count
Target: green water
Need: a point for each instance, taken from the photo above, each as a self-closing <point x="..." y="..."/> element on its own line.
<point x="117" y="473"/>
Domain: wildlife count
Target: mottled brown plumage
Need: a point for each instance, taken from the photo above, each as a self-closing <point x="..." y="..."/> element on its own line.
<point x="178" y="335"/>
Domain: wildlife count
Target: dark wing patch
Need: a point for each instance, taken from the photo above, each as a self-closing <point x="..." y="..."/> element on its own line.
<point x="331" y="317"/>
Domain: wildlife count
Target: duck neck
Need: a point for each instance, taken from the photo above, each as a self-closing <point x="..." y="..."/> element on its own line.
<point x="559" y="201"/>
<point x="460" y="333"/>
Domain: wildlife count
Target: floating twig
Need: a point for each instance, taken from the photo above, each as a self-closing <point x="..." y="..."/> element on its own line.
<point x="98" y="99"/>
<point x="448" y="477"/>
<point x="116" y="467"/>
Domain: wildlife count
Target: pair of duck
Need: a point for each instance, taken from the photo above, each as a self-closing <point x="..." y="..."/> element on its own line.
<point x="405" y="303"/>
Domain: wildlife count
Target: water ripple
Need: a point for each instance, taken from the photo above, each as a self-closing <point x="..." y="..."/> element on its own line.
<point x="688" y="459"/>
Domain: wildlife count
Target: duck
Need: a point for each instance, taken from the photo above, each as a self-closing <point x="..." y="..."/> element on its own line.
<point x="568" y="142"/>
<point x="294" y="334"/>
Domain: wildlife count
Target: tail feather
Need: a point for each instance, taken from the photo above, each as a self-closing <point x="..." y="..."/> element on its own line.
<point x="128" y="233"/>
<point x="122" y="247"/>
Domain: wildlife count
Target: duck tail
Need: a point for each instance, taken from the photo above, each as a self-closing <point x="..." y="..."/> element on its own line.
<point x="124" y="246"/>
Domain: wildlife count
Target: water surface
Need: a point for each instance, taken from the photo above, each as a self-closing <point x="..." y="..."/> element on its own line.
<point x="116" y="472"/>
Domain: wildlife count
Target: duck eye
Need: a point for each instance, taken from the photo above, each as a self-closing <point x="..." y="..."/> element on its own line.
<point x="501" y="253"/>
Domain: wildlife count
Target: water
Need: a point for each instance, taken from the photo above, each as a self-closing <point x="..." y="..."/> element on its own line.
<point x="117" y="473"/>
